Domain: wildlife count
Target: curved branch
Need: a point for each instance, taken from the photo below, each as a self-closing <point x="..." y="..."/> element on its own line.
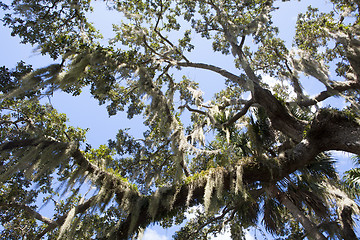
<point x="215" y="69"/>
<point x="193" y="110"/>
<point x="212" y="120"/>
<point x="81" y="208"/>
<point x="114" y="183"/>
<point x="213" y="219"/>
<point x="345" y="136"/>
<point x="336" y="88"/>
<point x="330" y="130"/>
<point x="29" y="210"/>
<point x="164" y="38"/>
<point x="280" y="117"/>
<point x="239" y="114"/>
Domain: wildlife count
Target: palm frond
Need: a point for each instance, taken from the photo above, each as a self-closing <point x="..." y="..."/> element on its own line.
<point x="273" y="218"/>
<point x="352" y="177"/>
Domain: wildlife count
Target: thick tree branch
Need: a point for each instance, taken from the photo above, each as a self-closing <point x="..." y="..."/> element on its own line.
<point x="22" y="143"/>
<point x="330" y="130"/>
<point x="347" y="222"/>
<point x="335" y="130"/>
<point x="281" y="118"/>
<point x="101" y="177"/>
<point x="336" y="88"/>
<point x="279" y="115"/>
<point x="81" y="208"/>
<point x="215" y="69"/>
<point x="345" y="137"/>
<point x="76" y="154"/>
<point x="28" y="210"/>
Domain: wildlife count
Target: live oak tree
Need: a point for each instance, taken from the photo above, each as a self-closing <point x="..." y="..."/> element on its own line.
<point x="255" y="155"/>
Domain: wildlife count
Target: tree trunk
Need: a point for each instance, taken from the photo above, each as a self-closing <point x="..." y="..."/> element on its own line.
<point x="347" y="232"/>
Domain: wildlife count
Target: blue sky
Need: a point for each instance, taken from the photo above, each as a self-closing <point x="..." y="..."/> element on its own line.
<point x="83" y="111"/>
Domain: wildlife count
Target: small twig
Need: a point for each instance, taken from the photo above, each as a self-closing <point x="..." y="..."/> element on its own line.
<point x="11" y="122"/>
<point x="164" y="38"/>
<point x="151" y="49"/>
<point x="242" y="42"/>
<point x="224" y="212"/>
<point x="193" y="110"/>
<point x="165" y="71"/>
<point x="239" y="114"/>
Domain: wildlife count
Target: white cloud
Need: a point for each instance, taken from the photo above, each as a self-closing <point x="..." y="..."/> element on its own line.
<point x="270" y="80"/>
<point x="151" y="234"/>
<point x="273" y="81"/>
<point x="248" y="236"/>
<point x="191" y="212"/>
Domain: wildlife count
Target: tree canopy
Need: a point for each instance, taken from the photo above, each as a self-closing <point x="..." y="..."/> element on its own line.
<point x="256" y="155"/>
